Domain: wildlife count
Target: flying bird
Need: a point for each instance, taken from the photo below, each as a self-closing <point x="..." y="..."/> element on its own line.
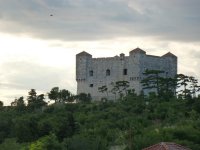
<point x="51" y="15"/>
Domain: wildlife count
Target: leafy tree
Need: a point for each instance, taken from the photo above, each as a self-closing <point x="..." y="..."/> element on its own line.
<point x="114" y="89"/>
<point x="26" y="128"/>
<point x="19" y="104"/>
<point x="194" y="86"/>
<point x="11" y="144"/>
<point x="54" y="94"/>
<point x="34" y="101"/>
<point x="65" y="95"/>
<point x="104" y="89"/>
<point x="183" y="81"/>
<point x="85" y="143"/>
<point x="67" y="128"/>
<point x="1" y="104"/>
<point x="32" y="98"/>
<point x="40" y="100"/>
<point x="120" y="87"/>
<point x="84" y="98"/>
<point x="60" y="95"/>
<point x="48" y="142"/>
<point x="14" y="103"/>
<point x="167" y="87"/>
<point x="152" y="80"/>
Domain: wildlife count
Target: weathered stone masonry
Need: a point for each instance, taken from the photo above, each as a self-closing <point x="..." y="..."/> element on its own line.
<point x="92" y="73"/>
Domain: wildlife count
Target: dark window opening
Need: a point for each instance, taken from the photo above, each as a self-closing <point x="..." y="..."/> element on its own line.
<point x="107" y="72"/>
<point x="91" y="85"/>
<point x="91" y="73"/>
<point x="125" y="72"/>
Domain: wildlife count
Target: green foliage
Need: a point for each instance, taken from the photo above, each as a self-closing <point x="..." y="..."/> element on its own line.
<point x="49" y="142"/>
<point x="85" y="143"/>
<point x="135" y="122"/>
<point x="35" y="102"/>
<point x="19" y="104"/>
<point x="6" y="125"/>
<point x="103" y="89"/>
<point x="152" y="80"/>
<point x="120" y="88"/>
<point x="1" y="104"/>
<point x="84" y="98"/>
<point x="26" y="128"/>
<point x="11" y="144"/>
<point x="60" y="95"/>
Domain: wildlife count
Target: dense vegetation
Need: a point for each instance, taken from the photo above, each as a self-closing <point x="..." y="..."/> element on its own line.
<point x="132" y="122"/>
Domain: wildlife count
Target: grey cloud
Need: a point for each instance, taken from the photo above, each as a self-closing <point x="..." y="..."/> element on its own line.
<point x="26" y="75"/>
<point x="177" y="20"/>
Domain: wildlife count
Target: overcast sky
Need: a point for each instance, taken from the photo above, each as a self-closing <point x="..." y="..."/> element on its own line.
<point x="40" y="38"/>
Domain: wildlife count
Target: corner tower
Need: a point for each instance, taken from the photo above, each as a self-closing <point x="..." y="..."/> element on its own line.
<point x="171" y="63"/>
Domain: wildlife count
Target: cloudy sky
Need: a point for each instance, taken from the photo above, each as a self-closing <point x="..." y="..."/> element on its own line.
<point x="40" y="38"/>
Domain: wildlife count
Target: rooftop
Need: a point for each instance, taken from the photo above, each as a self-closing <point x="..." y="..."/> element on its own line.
<point x="166" y="146"/>
<point x="169" y="54"/>
<point x="137" y="50"/>
<point x="83" y="53"/>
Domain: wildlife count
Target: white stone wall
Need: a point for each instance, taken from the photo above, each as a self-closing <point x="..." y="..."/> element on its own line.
<point x="135" y="64"/>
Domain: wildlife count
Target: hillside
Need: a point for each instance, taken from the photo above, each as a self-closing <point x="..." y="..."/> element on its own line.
<point x="134" y="122"/>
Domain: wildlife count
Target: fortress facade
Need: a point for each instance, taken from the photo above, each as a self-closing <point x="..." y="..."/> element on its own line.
<point x="92" y="73"/>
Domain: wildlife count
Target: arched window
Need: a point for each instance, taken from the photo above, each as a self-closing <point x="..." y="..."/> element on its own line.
<point x="108" y="72"/>
<point x="91" y="73"/>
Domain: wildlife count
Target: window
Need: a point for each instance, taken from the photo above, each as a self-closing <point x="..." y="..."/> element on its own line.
<point x="107" y="72"/>
<point x="91" y="85"/>
<point x="91" y="73"/>
<point x="125" y="72"/>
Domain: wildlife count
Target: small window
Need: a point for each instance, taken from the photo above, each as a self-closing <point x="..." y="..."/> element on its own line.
<point x="107" y="72"/>
<point x="125" y="72"/>
<point x="91" y="73"/>
<point x="91" y="85"/>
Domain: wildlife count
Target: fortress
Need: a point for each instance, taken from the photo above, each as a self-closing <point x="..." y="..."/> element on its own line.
<point x="92" y="73"/>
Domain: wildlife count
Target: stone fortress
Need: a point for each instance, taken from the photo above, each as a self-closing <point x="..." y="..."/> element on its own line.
<point x="92" y="73"/>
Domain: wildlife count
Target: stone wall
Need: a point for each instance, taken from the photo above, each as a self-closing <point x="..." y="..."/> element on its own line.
<point x="92" y="73"/>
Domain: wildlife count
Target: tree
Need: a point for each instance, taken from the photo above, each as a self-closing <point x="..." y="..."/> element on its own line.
<point x="49" y="142"/>
<point x="19" y="104"/>
<point x="54" y="94"/>
<point x="40" y="100"/>
<point x="120" y="87"/>
<point x="183" y="81"/>
<point x="34" y="101"/>
<point x="14" y="103"/>
<point x="1" y="104"/>
<point x="84" y="98"/>
<point x="60" y="95"/>
<point x="194" y="86"/>
<point x="167" y="87"/>
<point x="152" y="80"/>
<point x="26" y="128"/>
<point x="64" y="95"/>
<point x="103" y="89"/>
<point x="32" y="97"/>
<point x="114" y="89"/>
